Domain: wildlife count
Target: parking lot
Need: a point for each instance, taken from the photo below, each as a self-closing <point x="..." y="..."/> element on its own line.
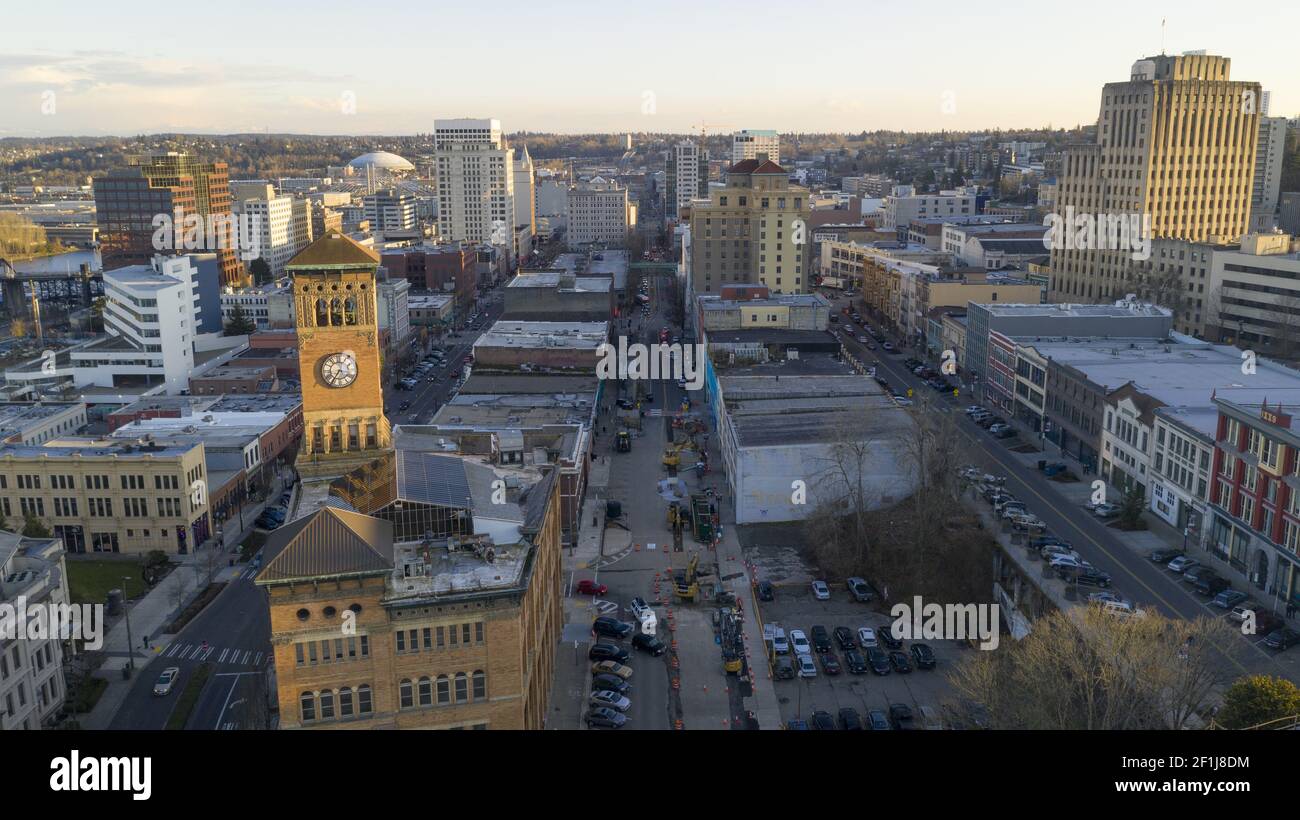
<point x="795" y="607"/>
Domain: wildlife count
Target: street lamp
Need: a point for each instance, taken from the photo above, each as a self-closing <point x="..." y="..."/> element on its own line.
<point x="130" y="643"/>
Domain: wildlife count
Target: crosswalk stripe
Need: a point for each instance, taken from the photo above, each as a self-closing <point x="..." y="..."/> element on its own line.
<point x="258" y="660"/>
<point x="222" y="658"/>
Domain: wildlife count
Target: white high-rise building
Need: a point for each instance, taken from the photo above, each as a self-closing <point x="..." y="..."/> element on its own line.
<point x="279" y="235"/>
<point x="391" y="211"/>
<point x="525" y="200"/>
<point x="149" y="315"/>
<point x="1267" y="186"/>
<point x="748" y="144"/>
<point x="688" y="176"/>
<point x="476" y="186"/>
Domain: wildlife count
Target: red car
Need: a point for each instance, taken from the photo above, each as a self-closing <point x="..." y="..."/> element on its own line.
<point x="589" y="587"/>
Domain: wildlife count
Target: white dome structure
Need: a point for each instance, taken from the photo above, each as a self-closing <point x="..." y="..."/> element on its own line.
<point x="381" y="161"/>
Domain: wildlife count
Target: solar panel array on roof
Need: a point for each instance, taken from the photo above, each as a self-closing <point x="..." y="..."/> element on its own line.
<point x="433" y="479"/>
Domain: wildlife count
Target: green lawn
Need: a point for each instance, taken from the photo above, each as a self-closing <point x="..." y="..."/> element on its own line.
<point x="90" y="581"/>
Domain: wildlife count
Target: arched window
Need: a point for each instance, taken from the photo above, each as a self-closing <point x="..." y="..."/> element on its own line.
<point x="322" y="313"/>
<point x="404" y="690"/>
<point x="345" y="702"/>
<point x="444" y="690"/>
<point x="349" y="311"/>
<point x="364" y="706"/>
<point x="462" y="687"/>
<point x="326" y="704"/>
<point x="307" y="706"/>
<point x="336" y="312"/>
<point x="480" y="684"/>
<point x="426" y="692"/>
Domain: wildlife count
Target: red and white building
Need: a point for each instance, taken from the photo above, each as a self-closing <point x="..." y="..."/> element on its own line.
<point x="1255" y="496"/>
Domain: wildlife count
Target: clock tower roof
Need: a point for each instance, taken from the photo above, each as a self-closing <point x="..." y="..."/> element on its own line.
<point x="334" y="250"/>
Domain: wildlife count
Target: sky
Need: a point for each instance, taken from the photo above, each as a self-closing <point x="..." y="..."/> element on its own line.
<point x="69" y="67"/>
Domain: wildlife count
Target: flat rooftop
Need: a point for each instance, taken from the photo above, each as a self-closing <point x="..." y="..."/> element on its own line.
<point x="18" y="415"/>
<point x="1066" y="309"/>
<point x="89" y="447"/>
<point x="517" y="334"/>
<point x="809" y="400"/>
<point x="553" y="279"/>
<point x="1183" y="376"/>
<point x="713" y="302"/>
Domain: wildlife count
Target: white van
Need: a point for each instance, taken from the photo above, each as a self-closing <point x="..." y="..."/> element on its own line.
<point x="774" y="636"/>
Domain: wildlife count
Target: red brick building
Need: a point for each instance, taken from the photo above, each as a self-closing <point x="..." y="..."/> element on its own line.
<point x="1255" y="496"/>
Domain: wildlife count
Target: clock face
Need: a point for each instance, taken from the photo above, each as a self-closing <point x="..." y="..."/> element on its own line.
<point x="338" y="370"/>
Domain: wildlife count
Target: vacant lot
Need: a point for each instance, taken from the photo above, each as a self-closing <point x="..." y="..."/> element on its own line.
<point x="90" y="581"/>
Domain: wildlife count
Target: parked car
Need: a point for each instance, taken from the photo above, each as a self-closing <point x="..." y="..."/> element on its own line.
<point x="849" y="719"/>
<point x="821" y="639"/>
<point x="822" y="720"/>
<point x="611" y="700"/>
<point x="866" y="637"/>
<point x="1266" y="622"/>
<point x="602" y="717"/>
<point x="1092" y="577"/>
<point x="166" y="680"/>
<point x="607" y="652"/>
<point x="611" y="682"/>
<point x="611" y="668"/>
<point x="766" y="592"/>
<point x="1194" y="574"/>
<point x="878" y="720"/>
<point x="923" y="655"/>
<point x="799" y="642"/>
<point x="608" y="627"/>
<point x="1210" y="585"/>
<point x="856" y="664"/>
<point x="1102" y="597"/>
<point x="1106" y="510"/>
<point x="1052" y="550"/>
<point x="649" y="643"/>
<point x="844" y="637"/>
<point x="589" y="587"/>
<point x="1182" y="563"/>
<point x="860" y="589"/>
<point x="900" y="663"/>
<point x="783" y="668"/>
<point x="775" y="636"/>
<point x="820" y="591"/>
<point x="1164" y="556"/>
<point x="1282" y="639"/>
<point x="805" y="666"/>
<point x="878" y="661"/>
<point x="830" y="663"/>
<point x="1238" y="612"/>
<point x="886" y="637"/>
<point x="1229" y="598"/>
<point x="888" y="347"/>
<point x="900" y="715"/>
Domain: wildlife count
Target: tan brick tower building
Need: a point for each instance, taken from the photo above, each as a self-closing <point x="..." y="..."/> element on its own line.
<point x="337" y="322"/>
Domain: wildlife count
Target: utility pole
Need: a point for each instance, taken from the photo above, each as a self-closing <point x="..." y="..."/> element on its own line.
<point x="130" y="644"/>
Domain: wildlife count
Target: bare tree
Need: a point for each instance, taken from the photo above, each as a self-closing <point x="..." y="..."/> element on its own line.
<point x="844" y="485"/>
<point x="1085" y="668"/>
<point x="180" y="592"/>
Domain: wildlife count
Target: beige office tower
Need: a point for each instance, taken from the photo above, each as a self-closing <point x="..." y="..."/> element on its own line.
<point x="753" y="231"/>
<point x="1175" y="146"/>
<point x="476" y="185"/>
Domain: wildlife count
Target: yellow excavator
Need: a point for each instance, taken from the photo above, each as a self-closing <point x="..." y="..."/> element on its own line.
<point x="685" y="584"/>
<point x="673" y="453"/>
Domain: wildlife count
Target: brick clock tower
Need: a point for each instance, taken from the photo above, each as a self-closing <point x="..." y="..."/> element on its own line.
<point x="337" y="321"/>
